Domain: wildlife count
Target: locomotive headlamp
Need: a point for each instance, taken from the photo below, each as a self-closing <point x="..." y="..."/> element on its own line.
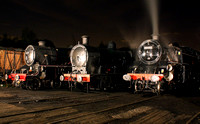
<point x="127" y="77"/>
<point x="155" y="78"/>
<point x="149" y="51"/>
<point x="179" y="53"/>
<point x="61" y="78"/>
<point x="79" y="55"/>
<point x="169" y="67"/>
<point x="162" y="70"/>
<point x="29" y="55"/>
<point x="79" y="78"/>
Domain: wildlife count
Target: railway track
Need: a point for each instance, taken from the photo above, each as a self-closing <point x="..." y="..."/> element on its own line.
<point x="194" y="119"/>
<point x="70" y="101"/>
<point x="70" y="112"/>
<point x="83" y="117"/>
<point x="64" y="98"/>
<point x="97" y="107"/>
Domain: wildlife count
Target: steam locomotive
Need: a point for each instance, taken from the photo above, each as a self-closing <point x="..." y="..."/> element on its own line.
<point x="43" y="67"/>
<point x="96" y="68"/>
<point x="158" y="67"/>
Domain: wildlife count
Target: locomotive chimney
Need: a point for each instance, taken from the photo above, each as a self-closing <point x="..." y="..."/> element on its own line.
<point x="155" y="37"/>
<point x="111" y="45"/>
<point x="85" y="40"/>
<point x="41" y="43"/>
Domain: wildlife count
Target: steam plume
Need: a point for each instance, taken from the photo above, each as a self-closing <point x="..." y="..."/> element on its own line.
<point x="152" y="7"/>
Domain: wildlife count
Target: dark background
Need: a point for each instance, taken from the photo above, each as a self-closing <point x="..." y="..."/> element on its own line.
<point x="124" y="21"/>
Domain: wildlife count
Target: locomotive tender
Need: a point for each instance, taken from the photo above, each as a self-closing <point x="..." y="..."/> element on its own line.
<point x="96" y="67"/>
<point x="158" y="67"/>
<point x="42" y="67"/>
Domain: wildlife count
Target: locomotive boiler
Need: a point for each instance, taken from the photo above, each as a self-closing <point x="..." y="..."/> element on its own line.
<point x="158" y="67"/>
<point x="42" y="69"/>
<point x="40" y="54"/>
<point x="96" y="67"/>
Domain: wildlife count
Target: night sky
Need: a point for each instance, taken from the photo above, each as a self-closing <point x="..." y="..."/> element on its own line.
<point x="122" y="21"/>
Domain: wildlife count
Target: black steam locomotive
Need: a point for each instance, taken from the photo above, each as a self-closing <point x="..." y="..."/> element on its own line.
<point x="96" y="67"/>
<point x="43" y="66"/>
<point x="158" y="67"/>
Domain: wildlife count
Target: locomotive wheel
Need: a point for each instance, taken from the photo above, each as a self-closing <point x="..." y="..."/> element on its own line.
<point x="23" y="85"/>
<point x="55" y="84"/>
<point x="138" y="86"/>
<point x="64" y="85"/>
<point x="15" y="84"/>
<point x="135" y="84"/>
<point x="132" y="86"/>
<point x="28" y="85"/>
<point x="35" y="84"/>
<point x="102" y="84"/>
<point x="71" y="83"/>
<point x="105" y="83"/>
